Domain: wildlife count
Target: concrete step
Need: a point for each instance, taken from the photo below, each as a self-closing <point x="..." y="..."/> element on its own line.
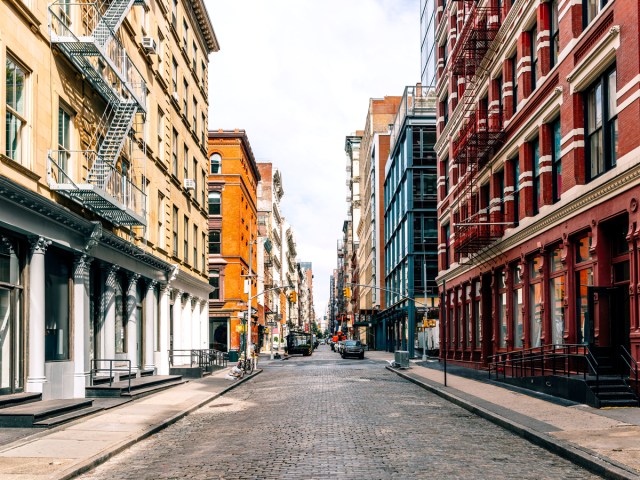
<point x="29" y="414"/>
<point x="14" y="399"/>
<point x="67" y="417"/>
<point x="121" y="388"/>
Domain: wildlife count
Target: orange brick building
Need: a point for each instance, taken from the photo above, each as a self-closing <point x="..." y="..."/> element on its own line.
<point x="232" y="185"/>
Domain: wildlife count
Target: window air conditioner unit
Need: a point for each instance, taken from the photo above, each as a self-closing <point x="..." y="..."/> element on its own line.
<point x="149" y="45"/>
<point x="189" y="184"/>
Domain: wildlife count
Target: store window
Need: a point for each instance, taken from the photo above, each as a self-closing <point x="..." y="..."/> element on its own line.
<point x="57" y="303"/>
<point x="467" y="317"/>
<point x="535" y="301"/>
<point x="477" y="313"/>
<point x="584" y="279"/>
<point x="518" y="305"/>
<point x="502" y="309"/>
<point x="557" y="295"/>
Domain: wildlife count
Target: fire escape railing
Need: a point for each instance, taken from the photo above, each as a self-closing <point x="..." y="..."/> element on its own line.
<point x="85" y="33"/>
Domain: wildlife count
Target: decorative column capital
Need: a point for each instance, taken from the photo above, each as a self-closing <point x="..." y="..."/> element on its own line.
<point x="8" y="244"/>
<point x="39" y="245"/>
<point x="81" y="264"/>
<point x="133" y="283"/>
<point x="151" y="284"/>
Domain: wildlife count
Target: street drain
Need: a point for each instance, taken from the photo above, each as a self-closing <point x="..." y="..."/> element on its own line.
<point x="220" y="405"/>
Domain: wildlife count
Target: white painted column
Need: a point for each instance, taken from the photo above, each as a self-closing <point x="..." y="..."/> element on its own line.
<point x="109" y="320"/>
<point x="204" y="324"/>
<point x="163" y="334"/>
<point x="36" y="374"/>
<point x="177" y="325"/>
<point x="195" y="325"/>
<point x="187" y="316"/>
<point x="81" y="319"/>
<point x="132" y="321"/>
<point x="150" y="320"/>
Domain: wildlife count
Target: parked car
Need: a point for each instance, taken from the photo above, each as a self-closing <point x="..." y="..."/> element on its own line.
<point x="340" y="346"/>
<point x="352" y="348"/>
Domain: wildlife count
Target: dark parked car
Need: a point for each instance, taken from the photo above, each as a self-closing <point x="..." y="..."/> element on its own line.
<point x="352" y="348"/>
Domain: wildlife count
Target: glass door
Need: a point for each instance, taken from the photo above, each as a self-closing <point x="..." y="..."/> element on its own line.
<point x="10" y="342"/>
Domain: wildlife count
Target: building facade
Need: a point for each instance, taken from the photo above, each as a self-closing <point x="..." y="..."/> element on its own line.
<point x="101" y="235"/>
<point x="373" y="159"/>
<point x="233" y="237"/>
<point x="539" y="173"/>
<point x="410" y="231"/>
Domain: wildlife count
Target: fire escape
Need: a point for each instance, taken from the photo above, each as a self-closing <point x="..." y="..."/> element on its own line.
<point x="481" y="132"/>
<point x="101" y="178"/>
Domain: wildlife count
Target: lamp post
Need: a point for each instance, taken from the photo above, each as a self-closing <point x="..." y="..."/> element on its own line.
<point x="249" y="298"/>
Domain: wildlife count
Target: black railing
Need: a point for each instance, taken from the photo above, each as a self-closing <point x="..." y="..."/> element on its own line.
<point x="554" y="359"/>
<point x="633" y="368"/>
<point x="115" y="366"/>
<point x="203" y="358"/>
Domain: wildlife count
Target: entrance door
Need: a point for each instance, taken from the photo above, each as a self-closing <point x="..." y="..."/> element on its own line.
<point x="613" y="316"/>
<point x="10" y="342"/>
<point x="139" y="335"/>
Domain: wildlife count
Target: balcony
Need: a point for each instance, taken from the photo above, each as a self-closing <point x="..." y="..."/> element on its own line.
<point x="475" y="233"/>
<point x="97" y="186"/>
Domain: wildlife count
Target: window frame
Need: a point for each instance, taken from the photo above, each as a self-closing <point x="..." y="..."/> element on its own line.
<point x="211" y="163"/>
<point x="19" y="154"/>
<point x="606" y="133"/>
<point x="533" y="39"/>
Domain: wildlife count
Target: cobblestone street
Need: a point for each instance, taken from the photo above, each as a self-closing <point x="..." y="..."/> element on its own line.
<point x="324" y="417"/>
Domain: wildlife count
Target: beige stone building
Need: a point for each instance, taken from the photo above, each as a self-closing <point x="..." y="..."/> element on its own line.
<point x="103" y="164"/>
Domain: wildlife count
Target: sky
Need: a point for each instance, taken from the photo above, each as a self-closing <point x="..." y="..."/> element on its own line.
<point x="297" y="75"/>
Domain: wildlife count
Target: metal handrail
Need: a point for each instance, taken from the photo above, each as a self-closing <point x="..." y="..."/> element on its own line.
<point x="200" y="357"/>
<point x="632" y="364"/>
<point x="95" y="369"/>
<point x="519" y="359"/>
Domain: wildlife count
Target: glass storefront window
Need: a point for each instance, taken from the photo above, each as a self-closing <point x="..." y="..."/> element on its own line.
<point x="502" y="318"/>
<point x="517" y="318"/>
<point x="583" y="245"/>
<point x="477" y="308"/>
<point x="535" y="309"/>
<point x="57" y="275"/>
<point x="557" y="293"/>
<point x="534" y="268"/>
<point x="584" y="279"/>
<point x="556" y="260"/>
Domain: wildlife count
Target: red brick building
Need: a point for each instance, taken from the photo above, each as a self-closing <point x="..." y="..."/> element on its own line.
<point x="538" y="149"/>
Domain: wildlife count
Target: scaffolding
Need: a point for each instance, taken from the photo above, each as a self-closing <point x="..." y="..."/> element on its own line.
<point x="481" y="133"/>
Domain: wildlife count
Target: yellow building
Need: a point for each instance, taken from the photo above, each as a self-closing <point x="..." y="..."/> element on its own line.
<point x="103" y="164"/>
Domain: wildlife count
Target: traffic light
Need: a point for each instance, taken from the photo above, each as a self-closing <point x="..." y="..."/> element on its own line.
<point x="347" y="292"/>
<point x="293" y="297"/>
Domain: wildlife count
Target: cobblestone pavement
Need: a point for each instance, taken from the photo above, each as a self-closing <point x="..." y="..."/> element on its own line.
<point x="324" y="417"/>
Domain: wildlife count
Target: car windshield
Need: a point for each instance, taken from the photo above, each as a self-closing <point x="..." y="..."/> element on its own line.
<point x="352" y="343"/>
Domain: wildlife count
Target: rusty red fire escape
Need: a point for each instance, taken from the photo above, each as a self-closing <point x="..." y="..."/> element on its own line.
<point x="481" y="132"/>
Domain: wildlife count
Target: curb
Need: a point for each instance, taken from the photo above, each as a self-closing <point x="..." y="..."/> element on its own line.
<point x="582" y="457"/>
<point x="102" y="457"/>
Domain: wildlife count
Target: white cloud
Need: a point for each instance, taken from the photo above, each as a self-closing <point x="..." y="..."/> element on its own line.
<point x="297" y="76"/>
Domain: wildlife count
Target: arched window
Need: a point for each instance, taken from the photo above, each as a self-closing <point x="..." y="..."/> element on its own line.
<point x="216" y="162"/>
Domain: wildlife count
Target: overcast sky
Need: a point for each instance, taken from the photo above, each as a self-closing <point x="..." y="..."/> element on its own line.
<point x="297" y="76"/>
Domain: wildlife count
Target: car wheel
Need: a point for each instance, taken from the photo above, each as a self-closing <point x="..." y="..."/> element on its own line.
<point x="361" y="356"/>
<point x="343" y="356"/>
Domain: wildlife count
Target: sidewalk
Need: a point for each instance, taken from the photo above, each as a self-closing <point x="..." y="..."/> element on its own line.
<point x="73" y="448"/>
<point x="606" y="441"/>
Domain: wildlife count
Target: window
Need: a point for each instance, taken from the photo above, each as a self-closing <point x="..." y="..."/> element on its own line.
<point x="195" y="246"/>
<point x="160" y="134"/>
<point x="516" y="191"/>
<point x="477" y="314"/>
<point x="214" y="281"/>
<point x="185" y="92"/>
<point x="203" y="129"/>
<point x="602" y="125"/>
<point x="584" y="279"/>
<point x="174" y="75"/>
<point x="537" y="193"/>
<point x="161" y="54"/>
<point x="203" y="67"/>
<point x="204" y="187"/>
<point x="64" y="140"/>
<point x="556" y="160"/>
<point x="502" y="310"/>
<point x="194" y="59"/>
<point x="514" y="82"/>
<point x="57" y="304"/>
<point x="186" y="239"/>
<point x="518" y="304"/>
<point x="174" y="152"/>
<point x="16" y="121"/>
<point x="214" y="242"/>
<point x="533" y="37"/>
<point x="590" y="9"/>
<point x="185" y="34"/>
<point x="174" y="14"/>
<point x="216" y="162"/>
<point x="185" y="161"/>
<point x="557" y="295"/>
<point x="535" y="301"/>
<point x="500" y="182"/>
<point x="554" y="40"/>
<point x="500" y="98"/>
<point x="445" y="110"/>
<point x="175" y="231"/>
<point x="447" y="247"/>
<point x="194" y="112"/>
<point x="161" y="215"/>
<point x="204" y="252"/>
<point x="445" y="167"/>
<point x="214" y="203"/>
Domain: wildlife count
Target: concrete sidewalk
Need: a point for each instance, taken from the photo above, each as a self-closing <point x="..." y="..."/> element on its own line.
<point x="606" y="441"/>
<point x="76" y="447"/>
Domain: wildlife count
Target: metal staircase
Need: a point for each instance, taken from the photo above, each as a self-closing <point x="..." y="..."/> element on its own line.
<point x="85" y="33"/>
